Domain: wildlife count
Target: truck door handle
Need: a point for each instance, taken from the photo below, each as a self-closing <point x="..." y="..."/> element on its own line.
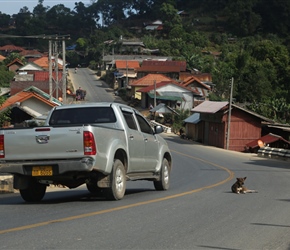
<point x="145" y="139"/>
<point x="131" y="137"/>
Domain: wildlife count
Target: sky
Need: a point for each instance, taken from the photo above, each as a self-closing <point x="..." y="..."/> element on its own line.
<point x="11" y="7"/>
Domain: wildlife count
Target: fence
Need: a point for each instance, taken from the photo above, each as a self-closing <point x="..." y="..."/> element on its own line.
<point x="274" y="153"/>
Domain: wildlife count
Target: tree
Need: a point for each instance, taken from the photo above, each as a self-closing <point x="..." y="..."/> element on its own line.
<point x="5" y="76"/>
<point x="4" y="115"/>
<point x="169" y="17"/>
<point x="242" y="20"/>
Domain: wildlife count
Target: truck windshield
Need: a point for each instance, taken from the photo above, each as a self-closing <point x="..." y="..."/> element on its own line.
<point x="82" y="116"/>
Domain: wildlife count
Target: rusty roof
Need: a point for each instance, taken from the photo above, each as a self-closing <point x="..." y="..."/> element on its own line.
<point x="41" y="76"/>
<point x="123" y="64"/>
<point x="192" y="79"/>
<point x="150" y="79"/>
<point x="30" y="53"/>
<point x="11" y="47"/>
<point x="15" y="61"/>
<point x="163" y="66"/>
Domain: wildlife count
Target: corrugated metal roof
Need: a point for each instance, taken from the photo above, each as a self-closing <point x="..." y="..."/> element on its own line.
<point x="123" y="64"/>
<point x="284" y="128"/>
<point x="162" y="65"/>
<point x="162" y="108"/>
<point x="166" y="97"/>
<point x="194" y="119"/>
<point x="209" y="107"/>
<point x="150" y="79"/>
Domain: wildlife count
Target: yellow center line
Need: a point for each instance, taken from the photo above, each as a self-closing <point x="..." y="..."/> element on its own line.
<point x="231" y="175"/>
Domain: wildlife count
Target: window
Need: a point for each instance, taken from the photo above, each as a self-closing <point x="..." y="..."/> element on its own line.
<point x="85" y="115"/>
<point x="144" y="125"/>
<point x="129" y="118"/>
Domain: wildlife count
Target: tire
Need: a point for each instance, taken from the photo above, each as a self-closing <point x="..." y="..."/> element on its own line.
<point x="117" y="182"/>
<point x="34" y="192"/>
<point x="164" y="181"/>
<point x="93" y="188"/>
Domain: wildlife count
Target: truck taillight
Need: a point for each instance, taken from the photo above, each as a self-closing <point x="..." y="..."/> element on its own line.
<point x="2" y="151"/>
<point x="89" y="143"/>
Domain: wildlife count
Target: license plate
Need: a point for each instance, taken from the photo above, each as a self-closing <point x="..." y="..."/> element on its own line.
<point x="42" y="171"/>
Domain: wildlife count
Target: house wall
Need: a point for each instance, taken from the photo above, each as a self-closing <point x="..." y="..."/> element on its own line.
<point x="16" y="87"/>
<point x="244" y="128"/>
<point x="14" y="67"/>
<point x="194" y="131"/>
<point x="187" y="103"/>
<point x="36" y="106"/>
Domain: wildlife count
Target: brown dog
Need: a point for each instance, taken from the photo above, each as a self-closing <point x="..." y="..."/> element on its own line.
<point x="239" y="187"/>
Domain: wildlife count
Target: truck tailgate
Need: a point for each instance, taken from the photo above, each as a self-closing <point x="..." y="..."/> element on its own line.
<point x="44" y="143"/>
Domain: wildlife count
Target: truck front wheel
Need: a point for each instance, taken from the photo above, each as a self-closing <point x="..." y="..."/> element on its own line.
<point x="163" y="182"/>
<point x="117" y="182"/>
<point x="34" y="192"/>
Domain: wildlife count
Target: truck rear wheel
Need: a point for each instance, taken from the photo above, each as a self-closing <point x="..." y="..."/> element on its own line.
<point x="164" y="181"/>
<point x="34" y="192"/>
<point x="117" y="182"/>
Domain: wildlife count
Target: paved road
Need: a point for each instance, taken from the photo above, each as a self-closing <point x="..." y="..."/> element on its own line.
<point x="97" y="90"/>
<point x="199" y="211"/>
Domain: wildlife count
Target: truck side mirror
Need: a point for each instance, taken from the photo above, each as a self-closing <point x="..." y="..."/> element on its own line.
<point x="158" y="129"/>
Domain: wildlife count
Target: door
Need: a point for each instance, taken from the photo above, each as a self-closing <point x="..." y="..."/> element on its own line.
<point x="136" y="143"/>
<point x="151" y="144"/>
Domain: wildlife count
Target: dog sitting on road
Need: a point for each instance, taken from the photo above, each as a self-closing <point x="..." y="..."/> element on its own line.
<point x="239" y="187"/>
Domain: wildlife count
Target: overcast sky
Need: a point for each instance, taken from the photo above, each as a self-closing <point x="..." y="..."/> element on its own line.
<point x="11" y="7"/>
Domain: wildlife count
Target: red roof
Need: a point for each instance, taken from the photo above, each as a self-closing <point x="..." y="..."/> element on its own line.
<point x="11" y="47"/>
<point x="30" y="53"/>
<point x="150" y="79"/>
<point x="192" y="79"/>
<point x="15" y="61"/>
<point x="21" y="97"/>
<point x="41" y="76"/>
<point x="266" y="139"/>
<point x="164" y="83"/>
<point x="43" y="62"/>
<point x="163" y="66"/>
<point x="127" y="64"/>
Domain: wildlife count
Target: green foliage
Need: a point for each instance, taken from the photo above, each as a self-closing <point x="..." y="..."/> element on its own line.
<point x="12" y="56"/>
<point x="5" y="76"/>
<point x="243" y="31"/>
<point x="5" y="115"/>
<point x="179" y="118"/>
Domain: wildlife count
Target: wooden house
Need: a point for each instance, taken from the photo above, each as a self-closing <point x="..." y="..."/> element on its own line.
<point x="170" y="69"/>
<point x="243" y="126"/>
<point x="125" y="72"/>
<point x="15" y="65"/>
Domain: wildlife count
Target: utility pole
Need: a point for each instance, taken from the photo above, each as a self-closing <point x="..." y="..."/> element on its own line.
<point x="154" y="93"/>
<point x="127" y="83"/>
<point x="230" y="114"/>
<point x="50" y="70"/>
<point x="56" y="68"/>
<point x="63" y="73"/>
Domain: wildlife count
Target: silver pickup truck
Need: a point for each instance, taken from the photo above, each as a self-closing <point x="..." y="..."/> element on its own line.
<point x="101" y="145"/>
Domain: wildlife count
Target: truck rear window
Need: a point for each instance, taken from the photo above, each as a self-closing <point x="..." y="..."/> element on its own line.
<point x="82" y="116"/>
